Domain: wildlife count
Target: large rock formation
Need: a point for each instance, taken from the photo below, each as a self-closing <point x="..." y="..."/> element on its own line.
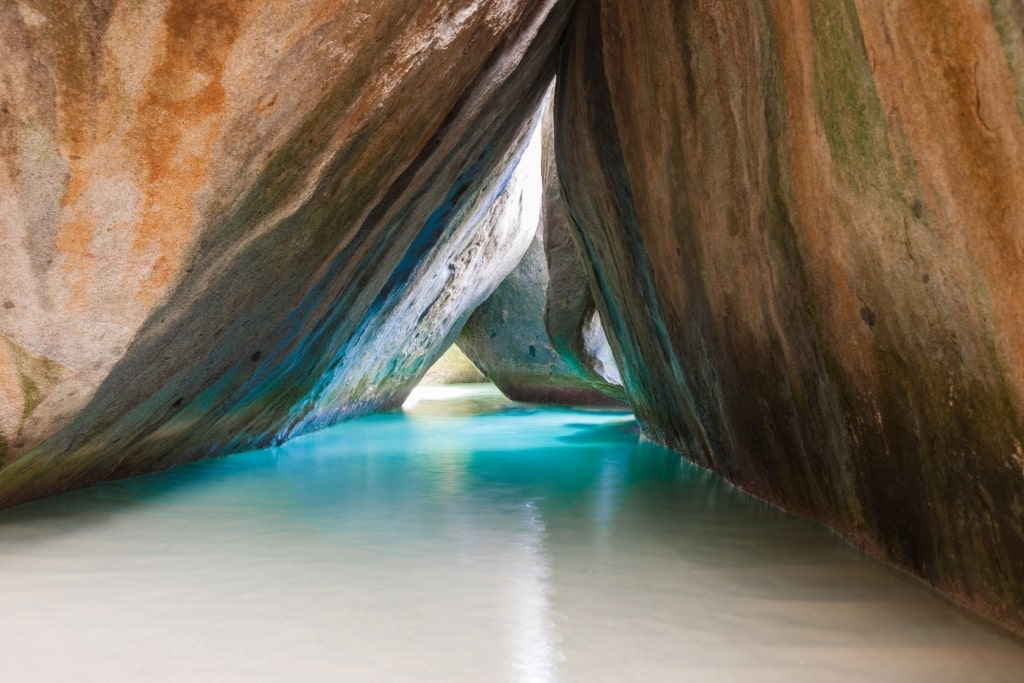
<point x="806" y="221"/>
<point x="421" y="310"/>
<point x="803" y="226"/>
<point x="208" y="208"/>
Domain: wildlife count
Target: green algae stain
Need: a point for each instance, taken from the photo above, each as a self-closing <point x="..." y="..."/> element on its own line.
<point x="848" y="102"/>
<point x="872" y="157"/>
<point x="33" y="397"/>
<point x="1008" y="19"/>
<point x="38" y="376"/>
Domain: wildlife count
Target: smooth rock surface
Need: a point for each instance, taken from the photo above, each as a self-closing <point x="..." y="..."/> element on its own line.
<point x="807" y="225"/>
<point x="420" y="311"/>
<point x="206" y="207"/>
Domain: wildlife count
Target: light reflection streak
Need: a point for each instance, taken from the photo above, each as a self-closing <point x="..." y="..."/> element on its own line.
<point x="537" y="651"/>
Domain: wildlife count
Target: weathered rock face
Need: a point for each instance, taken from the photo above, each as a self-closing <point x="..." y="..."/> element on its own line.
<point x="806" y="221"/>
<point x="506" y="336"/>
<point x="421" y="310"/>
<point x="205" y="206"/>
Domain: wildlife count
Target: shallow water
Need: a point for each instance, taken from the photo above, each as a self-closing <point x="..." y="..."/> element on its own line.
<point x="469" y="539"/>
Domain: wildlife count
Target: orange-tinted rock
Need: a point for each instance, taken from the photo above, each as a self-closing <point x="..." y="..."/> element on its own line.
<point x="807" y="225"/>
<point x="205" y="205"/>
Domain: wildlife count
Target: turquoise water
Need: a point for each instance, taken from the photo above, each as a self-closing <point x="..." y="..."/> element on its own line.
<point x="466" y="539"/>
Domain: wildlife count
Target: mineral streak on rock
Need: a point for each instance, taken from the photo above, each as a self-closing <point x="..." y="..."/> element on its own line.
<point x="806" y="225"/>
<point x="203" y="204"/>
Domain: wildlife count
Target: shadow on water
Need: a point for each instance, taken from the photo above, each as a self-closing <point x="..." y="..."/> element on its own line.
<point x="601" y="433"/>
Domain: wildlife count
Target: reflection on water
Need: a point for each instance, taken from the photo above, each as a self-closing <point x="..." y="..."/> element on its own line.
<point x="465" y="540"/>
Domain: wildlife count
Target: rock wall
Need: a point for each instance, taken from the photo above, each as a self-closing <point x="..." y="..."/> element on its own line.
<point x="205" y="205"/>
<point x="806" y="221"/>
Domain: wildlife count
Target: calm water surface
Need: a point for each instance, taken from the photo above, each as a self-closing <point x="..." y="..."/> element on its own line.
<point x="468" y="539"/>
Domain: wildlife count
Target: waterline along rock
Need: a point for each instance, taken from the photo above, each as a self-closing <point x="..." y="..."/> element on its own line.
<point x="806" y="223"/>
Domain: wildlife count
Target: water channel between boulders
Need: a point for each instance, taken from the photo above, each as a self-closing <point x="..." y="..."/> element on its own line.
<point x="465" y="538"/>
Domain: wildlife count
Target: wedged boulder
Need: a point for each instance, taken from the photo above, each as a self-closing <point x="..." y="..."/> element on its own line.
<point x="806" y="222"/>
<point x="508" y="337"/>
<point x="571" y="319"/>
<point x="207" y="208"/>
<point x="505" y="338"/>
